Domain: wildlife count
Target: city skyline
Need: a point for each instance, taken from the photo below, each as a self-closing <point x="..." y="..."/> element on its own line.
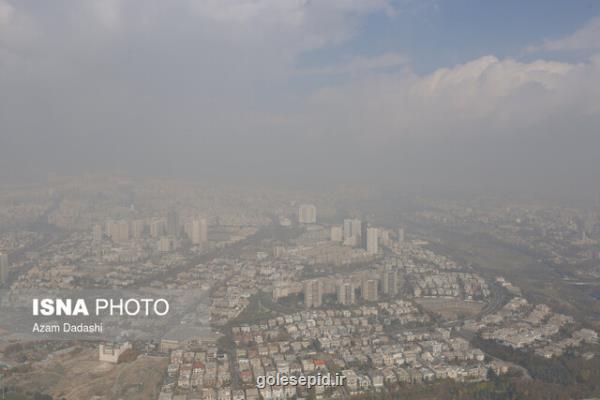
<point x="299" y="199"/>
<point x="400" y="295"/>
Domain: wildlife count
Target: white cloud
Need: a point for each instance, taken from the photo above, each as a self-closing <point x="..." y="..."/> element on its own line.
<point x="261" y="35"/>
<point x="586" y="38"/>
<point x="204" y="74"/>
<point x="482" y="97"/>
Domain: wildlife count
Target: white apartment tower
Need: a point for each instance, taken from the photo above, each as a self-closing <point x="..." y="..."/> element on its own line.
<point x="401" y="235"/>
<point x="118" y="231"/>
<point x="165" y="244"/>
<point x="199" y="231"/>
<point x="372" y="241"/>
<point x="137" y="228"/>
<point x="352" y="228"/>
<point x="307" y="214"/>
<point x="347" y="228"/>
<point x="3" y="268"/>
<point x="97" y="233"/>
<point x="369" y="290"/>
<point x="313" y="293"/>
<point x="157" y="228"/>
<point x="122" y="231"/>
<point x="345" y="293"/>
<point x="389" y="281"/>
<point x="336" y="234"/>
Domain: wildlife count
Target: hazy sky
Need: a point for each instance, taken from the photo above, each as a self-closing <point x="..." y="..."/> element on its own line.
<point x="495" y="95"/>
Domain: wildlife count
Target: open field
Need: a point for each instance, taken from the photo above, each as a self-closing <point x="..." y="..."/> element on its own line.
<point x="450" y="309"/>
<point x="79" y="375"/>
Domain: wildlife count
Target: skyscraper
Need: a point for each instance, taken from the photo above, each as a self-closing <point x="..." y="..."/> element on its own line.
<point x="137" y="228"/>
<point x="117" y="231"/>
<point x="336" y="234"/>
<point x="199" y="231"/>
<point x="97" y="233"/>
<point x="347" y="228"/>
<point x="369" y="290"/>
<point x="307" y="214"/>
<point x="187" y="228"/>
<point x="364" y="226"/>
<point x="157" y="228"/>
<point x="3" y="268"/>
<point x="356" y="227"/>
<point x="384" y="235"/>
<point x="401" y="235"/>
<point x="372" y="241"/>
<point x="122" y="231"/>
<point x="313" y="293"/>
<point x="345" y="293"/>
<point x="172" y="223"/>
<point x="390" y="281"/>
<point x="164" y="244"/>
<point x="352" y="227"/>
<point x="111" y="229"/>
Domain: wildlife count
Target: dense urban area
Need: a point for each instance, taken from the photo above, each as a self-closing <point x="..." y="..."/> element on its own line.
<point x="403" y="296"/>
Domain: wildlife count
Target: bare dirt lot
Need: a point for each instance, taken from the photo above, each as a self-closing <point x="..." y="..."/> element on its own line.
<point x="77" y="374"/>
<point x="451" y="309"/>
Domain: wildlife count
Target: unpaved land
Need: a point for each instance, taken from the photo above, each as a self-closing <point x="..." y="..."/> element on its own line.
<point x="451" y="309"/>
<point x="79" y="375"/>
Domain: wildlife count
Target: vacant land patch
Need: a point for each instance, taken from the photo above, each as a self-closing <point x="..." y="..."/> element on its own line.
<point x="79" y="375"/>
<point x="451" y="309"/>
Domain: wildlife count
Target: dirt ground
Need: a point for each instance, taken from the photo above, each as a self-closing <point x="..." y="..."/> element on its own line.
<point x="80" y="375"/>
<point x="451" y="309"/>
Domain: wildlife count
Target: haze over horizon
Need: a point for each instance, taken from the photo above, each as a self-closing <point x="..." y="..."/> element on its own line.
<point x="501" y="97"/>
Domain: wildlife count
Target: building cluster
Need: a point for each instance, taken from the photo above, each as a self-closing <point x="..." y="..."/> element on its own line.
<point x="240" y="279"/>
<point x="95" y="260"/>
<point x="576" y="339"/>
<point x="357" y="233"/>
<point x="344" y="297"/>
<point x="415" y="257"/>
<point x="81" y="203"/>
<point x="22" y="206"/>
<point x="14" y="251"/>
<point x="348" y="289"/>
<point x="15" y="241"/>
<point x="359" y="343"/>
<point x="200" y="374"/>
<point x="240" y="283"/>
<point x="520" y="324"/>
<point x="73" y="263"/>
<point x="353" y="233"/>
<point x="166" y="231"/>
<point x="464" y="285"/>
<point x="389" y="277"/>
